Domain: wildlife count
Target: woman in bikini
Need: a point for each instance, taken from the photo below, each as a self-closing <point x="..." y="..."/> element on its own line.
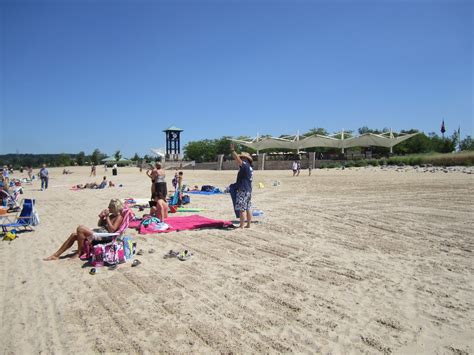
<point x="160" y="209"/>
<point x="160" y="183"/>
<point x="110" y="220"/>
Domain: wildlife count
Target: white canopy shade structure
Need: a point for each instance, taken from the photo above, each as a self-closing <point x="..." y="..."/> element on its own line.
<point x="387" y="140"/>
<point x="158" y="151"/>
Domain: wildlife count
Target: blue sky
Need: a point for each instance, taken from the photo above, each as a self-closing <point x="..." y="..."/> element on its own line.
<point x="79" y="75"/>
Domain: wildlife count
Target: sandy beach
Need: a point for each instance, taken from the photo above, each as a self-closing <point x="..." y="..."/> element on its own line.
<point x="344" y="261"/>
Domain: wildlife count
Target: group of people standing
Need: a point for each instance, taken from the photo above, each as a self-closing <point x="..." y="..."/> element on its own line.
<point x="243" y="185"/>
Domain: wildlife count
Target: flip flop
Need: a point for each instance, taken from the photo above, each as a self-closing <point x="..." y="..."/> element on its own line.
<point x="136" y="262"/>
<point x="113" y="267"/>
<point x="93" y="271"/>
<point x="140" y="252"/>
<point x="184" y="255"/>
<point x="151" y="251"/>
<point x="171" y="254"/>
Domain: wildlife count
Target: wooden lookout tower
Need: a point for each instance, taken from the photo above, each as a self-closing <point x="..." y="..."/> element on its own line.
<point x="173" y="143"/>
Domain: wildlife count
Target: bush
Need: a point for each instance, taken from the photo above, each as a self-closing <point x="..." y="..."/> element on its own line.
<point x="360" y="163"/>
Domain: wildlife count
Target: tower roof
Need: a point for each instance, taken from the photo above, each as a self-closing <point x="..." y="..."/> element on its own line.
<point x="173" y="128"/>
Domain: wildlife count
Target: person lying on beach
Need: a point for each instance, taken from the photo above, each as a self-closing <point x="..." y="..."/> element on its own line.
<point x="110" y="220"/>
<point x="94" y="185"/>
<point x="160" y="209"/>
<point x="66" y="172"/>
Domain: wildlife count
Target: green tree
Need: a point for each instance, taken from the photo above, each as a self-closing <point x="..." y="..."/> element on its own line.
<point x="81" y="158"/>
<point x="313" y="131"/>
<point x="97" y="156"/>
<point x="222" y="145"/>
<point x="117" y="155"/>
<point x="136" y="157"/>
<point x="416" y="144"/>
<point x="201" y="151"/>
<point x="63" y="160"/>
<point x="365" y="129"/>
<point x="440" y="144"/>
<point x="467" y="143"/>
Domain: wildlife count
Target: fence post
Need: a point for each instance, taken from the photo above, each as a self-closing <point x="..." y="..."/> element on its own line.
<point x="312" y="159"/>
<point x="220" y="161"/>
<point x="261" y="161"/>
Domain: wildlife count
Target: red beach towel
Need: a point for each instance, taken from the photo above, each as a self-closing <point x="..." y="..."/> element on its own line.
<point x="182" y="223"/>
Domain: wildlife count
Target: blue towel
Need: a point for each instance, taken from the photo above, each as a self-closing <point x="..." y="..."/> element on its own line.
<point x="233" y="195"/>
<point x="205" y="192"/>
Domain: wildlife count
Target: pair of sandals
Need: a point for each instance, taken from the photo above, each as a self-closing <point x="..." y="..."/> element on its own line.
<point x="180" y="255"/>
<point x="142" y="252"/>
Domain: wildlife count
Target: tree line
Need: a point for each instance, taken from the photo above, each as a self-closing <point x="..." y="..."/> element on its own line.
<point x="63" y="159"/>
<point x="206" y="150"/>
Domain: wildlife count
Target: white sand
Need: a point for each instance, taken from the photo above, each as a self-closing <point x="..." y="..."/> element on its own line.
<point x="353" y="261"/>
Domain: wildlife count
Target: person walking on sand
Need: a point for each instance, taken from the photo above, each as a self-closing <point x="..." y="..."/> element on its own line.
<point x="93" y="170"/>
<point x="44" y="176"/>
<point x="243" y="185"/>
<point x="294" y="167"/>
<point x="298" y="168"/>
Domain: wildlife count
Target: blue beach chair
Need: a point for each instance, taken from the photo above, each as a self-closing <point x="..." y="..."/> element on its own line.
<point x="25" y="219"/>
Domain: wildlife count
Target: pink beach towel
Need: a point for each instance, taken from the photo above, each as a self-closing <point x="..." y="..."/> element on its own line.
<point x="182" y="223"/>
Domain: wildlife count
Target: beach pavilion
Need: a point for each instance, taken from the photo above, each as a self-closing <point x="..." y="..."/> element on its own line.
<point x="388" y="140"/>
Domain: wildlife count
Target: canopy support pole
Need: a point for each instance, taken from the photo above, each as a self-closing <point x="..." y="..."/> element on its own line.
<point x="342" y="141"/>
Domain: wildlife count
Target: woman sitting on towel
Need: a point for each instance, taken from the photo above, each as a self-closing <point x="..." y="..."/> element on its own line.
<point x="160" y="209"/>
<point x="110" y="220"/>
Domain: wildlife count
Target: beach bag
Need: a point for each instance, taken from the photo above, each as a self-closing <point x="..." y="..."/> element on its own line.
<point x="186" y="199"/>
<point x="153" y="227"/>
<point x="207" y="188"/>
<point x="108" y="254"/>
<point x="129" y="247"/>
<point x="35" y="220"/>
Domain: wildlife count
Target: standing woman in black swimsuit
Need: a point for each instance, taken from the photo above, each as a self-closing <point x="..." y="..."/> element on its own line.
<point x="160" y="183"/>
<point x="153" y="174"/>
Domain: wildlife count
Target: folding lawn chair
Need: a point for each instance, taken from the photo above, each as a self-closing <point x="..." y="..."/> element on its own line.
<point x="25" y="219"/>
